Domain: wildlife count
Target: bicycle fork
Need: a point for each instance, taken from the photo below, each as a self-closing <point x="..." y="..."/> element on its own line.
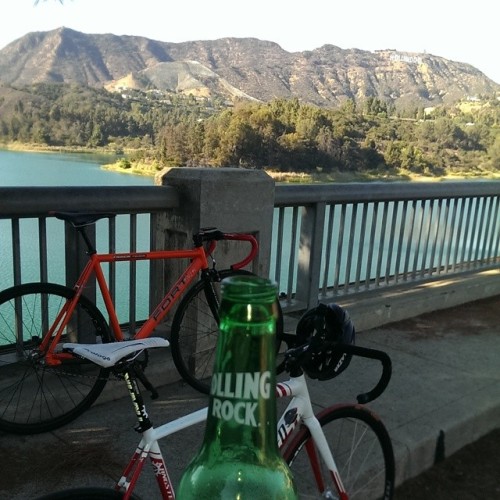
<point x="319" y="443"/>
<point x="300" y="406"/>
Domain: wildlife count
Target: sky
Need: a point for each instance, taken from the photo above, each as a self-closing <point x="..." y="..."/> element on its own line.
<point x="464" y="32"/>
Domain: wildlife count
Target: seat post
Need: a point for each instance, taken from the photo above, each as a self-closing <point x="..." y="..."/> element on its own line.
<point x="90" y="246"/>
<point x="143" y="421"/>
<point x="77" y="251"/>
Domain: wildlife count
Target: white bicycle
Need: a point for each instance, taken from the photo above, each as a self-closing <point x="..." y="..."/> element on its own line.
<point x="343" y="452"/>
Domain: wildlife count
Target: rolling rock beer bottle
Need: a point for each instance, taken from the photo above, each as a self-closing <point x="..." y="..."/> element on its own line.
<point x="239" y="457"/>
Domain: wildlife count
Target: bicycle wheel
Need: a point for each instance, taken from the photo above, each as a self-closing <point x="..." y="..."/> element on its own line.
<point x="84" y="494"/>
<point x="195" y="329"/>
<point x="35" y="397"/>
<point x="362" y="451"/>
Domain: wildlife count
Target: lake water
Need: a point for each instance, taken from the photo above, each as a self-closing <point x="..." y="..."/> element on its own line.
<point x="49" y="169"/>
<point x="61" y="169"/>
<point x="54" y="169"/>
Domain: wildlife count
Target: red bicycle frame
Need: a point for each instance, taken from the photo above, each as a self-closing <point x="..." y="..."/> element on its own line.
<point x="198" y="262"/>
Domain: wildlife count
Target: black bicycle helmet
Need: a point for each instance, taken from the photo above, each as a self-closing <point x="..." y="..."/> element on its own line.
<point x="321" y="324"/>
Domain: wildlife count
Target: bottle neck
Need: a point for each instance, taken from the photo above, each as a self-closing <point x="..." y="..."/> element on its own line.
<point x="242" y="408"/>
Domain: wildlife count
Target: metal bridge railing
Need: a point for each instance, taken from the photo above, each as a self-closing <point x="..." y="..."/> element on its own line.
<point x="37" y="247"/>
<point x="332" y="240"/>
<point x="328" y="240"/>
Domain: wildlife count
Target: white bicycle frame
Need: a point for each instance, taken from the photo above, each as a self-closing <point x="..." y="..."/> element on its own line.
<point x="300" y="405"/>
<point x="300" y="408"/>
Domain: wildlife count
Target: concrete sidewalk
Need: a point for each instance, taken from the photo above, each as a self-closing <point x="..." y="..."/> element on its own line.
<point x="444" y="393"/>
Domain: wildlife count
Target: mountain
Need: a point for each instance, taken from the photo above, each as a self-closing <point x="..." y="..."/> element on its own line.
<point x="184" y="77"/>
<point x="234" y="68"/>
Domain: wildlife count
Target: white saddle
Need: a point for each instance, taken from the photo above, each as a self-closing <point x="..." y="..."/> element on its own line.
<point x="107" y="355"/>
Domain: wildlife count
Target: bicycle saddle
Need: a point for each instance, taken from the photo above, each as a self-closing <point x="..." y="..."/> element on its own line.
<point x="108" y="355"/>
<point x="78" y="219"/>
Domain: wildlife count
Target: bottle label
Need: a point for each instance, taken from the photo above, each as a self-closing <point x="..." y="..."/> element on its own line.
<point x="235" y="396"/>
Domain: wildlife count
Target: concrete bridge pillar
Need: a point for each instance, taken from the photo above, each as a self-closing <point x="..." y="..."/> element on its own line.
<point x="230" y="199"/>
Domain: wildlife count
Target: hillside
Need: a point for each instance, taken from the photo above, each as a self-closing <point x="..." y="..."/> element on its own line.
<point x="235" y="68"/>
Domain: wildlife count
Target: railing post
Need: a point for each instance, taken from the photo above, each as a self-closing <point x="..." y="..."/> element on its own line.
<point x="76" y="257"/>
<point x="310" y="250"/>
<point x="231" y="199"/>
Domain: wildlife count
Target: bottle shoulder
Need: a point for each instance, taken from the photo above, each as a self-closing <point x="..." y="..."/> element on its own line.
<point x="238" y="480"/>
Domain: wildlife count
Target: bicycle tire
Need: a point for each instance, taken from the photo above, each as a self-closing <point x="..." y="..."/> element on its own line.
<point x="195" y="363"/>
<point x="362" y="451"/>
<point x="36" y="398"/>
<point x="86" y="493"/>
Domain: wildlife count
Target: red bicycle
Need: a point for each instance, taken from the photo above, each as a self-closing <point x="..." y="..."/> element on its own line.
<point x="42" y="387"/>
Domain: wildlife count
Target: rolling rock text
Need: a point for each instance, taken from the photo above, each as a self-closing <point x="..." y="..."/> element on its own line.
<point x="235" y="396"/>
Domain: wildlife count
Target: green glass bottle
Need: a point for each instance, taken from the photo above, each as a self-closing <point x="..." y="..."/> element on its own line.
<point x="239" y="458"/>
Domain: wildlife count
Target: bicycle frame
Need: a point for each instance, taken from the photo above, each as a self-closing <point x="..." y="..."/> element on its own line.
<point x="291" y="436"/>
<point x="300" y="407"/>
<point x="198" y="257"/>
<point x="199" y="262"/>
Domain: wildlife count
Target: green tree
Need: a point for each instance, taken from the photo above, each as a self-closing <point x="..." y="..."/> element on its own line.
<point x="494" y="152"/>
